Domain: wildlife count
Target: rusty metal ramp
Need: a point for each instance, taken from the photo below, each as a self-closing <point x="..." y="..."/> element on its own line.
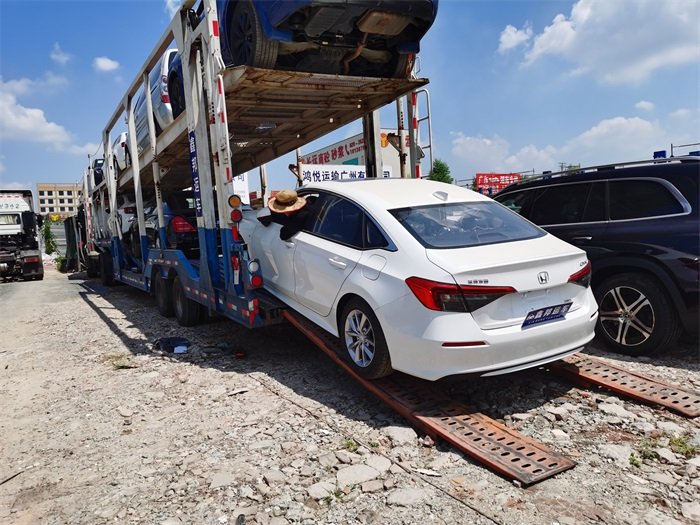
<point x="588" y="370"/>
<point x="487" y="441"/>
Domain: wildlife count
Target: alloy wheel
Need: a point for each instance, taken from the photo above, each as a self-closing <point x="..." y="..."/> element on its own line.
<point x="359" y="338"/>
<point x="627" y="316"/>
<point x="244" y="37"/>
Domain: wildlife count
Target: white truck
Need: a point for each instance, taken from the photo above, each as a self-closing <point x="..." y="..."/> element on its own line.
<point x="20" y="255"/>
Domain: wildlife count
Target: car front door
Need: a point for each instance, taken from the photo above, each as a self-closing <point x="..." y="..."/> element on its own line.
<point x="326" y="255"/>
<point x="276" y="258"/>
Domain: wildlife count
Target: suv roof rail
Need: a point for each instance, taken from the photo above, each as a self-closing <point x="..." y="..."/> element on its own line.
<point x="610" y="167"/>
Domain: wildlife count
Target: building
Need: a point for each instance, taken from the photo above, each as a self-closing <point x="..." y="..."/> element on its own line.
<point x="58" y="199"/>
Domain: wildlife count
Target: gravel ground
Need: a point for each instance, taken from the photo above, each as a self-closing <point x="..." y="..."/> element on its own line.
<point x="99" y="426"/>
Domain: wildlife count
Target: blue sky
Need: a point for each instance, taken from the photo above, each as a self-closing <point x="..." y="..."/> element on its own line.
<point x="514" y="85"/>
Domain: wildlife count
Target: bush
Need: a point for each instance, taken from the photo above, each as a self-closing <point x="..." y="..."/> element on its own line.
<point x="48" y="237"/>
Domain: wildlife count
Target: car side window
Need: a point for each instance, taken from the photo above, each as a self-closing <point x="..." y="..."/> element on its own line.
<point x="519" y="201"/>
<point x="595" y="206"/>
<point x="560" y="204"/>
<point x="373" y="236"/>
<point x="340" y="221"/>
<point x="636" y="199"/>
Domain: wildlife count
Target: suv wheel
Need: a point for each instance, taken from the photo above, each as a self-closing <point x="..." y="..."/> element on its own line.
<point x="636" y="317"/>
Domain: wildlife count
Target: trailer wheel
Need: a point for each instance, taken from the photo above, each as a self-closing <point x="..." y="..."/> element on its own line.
<point x="247" y="41"/>
<point x="91" y="267"/>
<point x="363" y="341"/>
<point x="106" y="269"/>
<point x="187" y="311"/>
<point x="163" y="291"/>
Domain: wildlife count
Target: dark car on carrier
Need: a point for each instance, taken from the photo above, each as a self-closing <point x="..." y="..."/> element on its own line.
<point x="639" y="224"/>
<point x="180" y="224"/>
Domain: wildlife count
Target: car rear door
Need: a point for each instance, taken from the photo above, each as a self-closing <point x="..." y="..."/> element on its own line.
<point x="325" y="256"/>
<point x="575" y="212"/>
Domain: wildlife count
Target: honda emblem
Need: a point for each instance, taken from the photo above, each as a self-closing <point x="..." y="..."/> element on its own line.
<point x="543" y="277"/>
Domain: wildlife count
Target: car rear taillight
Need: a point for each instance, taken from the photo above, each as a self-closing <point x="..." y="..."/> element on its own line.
<point x="129" y="210"/>
<point x="164" y="97"/>
<point x="447" y="297"/>
<point x="31" y="259"/>
<point x="477" y="296"/>
<point x="180" y="225"/>
<point x="583" y="276"/>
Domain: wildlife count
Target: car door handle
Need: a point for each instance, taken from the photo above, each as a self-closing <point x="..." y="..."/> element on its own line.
<point x="337" y="263"/>
<point x="289" y="244"/>
<point x="582" y="239"/>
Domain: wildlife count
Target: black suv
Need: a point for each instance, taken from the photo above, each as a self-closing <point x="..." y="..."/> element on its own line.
<point x="638" y="222"/>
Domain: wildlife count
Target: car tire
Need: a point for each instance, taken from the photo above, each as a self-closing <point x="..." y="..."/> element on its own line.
<point x="636" y="316"/>
<point x="163" y="292"/>
<point x="106" y="269"/>
<point x="187" y="311"/>
<point x="362" y="340"/>
<point x="92" y="266"/>
<point x="247" y="41"/>
<point x="177" y="95"/>
<point x="404" y="66"/>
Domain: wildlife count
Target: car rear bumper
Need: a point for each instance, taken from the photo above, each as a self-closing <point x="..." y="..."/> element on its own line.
<point x="415" y="337"/>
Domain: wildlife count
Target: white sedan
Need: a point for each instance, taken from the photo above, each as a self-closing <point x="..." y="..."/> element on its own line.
<point x="427" y="278"/>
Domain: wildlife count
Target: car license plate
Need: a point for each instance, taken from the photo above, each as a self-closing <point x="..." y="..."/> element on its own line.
<point x="543" y="315"/>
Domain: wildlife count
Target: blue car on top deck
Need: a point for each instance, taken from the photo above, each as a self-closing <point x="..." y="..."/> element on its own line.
<point x="373" y="38"/>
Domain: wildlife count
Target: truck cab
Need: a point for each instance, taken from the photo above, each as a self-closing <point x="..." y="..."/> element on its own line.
<point x="20" y="255"/>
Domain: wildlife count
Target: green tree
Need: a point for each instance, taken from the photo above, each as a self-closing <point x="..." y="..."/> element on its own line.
<point x="441" y="172"/>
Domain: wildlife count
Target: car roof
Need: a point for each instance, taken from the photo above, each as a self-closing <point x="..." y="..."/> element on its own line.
<point x="661" y="168"/>
<point x="398" y="193"/>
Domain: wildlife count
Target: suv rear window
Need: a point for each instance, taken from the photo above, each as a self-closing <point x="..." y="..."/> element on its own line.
<point x="464" y="224"/>
<point x="635" y="199"/>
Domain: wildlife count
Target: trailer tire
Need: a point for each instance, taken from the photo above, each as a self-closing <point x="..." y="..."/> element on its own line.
<point x="247" y="41"/>
<point x="91" y="267"/>
<point x="163" y="291"/>
<point x="363" y="342"/>
<point x="187" y="311"/>
<point x="106" y="269"/>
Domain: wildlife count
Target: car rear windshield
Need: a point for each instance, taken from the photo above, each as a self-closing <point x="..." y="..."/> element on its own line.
<point x="463" y="224"/>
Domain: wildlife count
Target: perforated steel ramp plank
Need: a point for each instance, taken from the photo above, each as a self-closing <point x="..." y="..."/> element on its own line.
<point x="590" y="370"/>
<point x="487" y="441"/>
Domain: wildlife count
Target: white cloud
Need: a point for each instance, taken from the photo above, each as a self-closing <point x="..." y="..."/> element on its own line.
<point x="512" y="37"/>
<point x="681" y="113"/>
<point x="24" y="124"/>
<point x="105" y="64"/>
<point x="2" y="164"/>
<point x="27" y="124"/>
<point x="611" y="140"/>
<point x="58" y="55"/>
<point x="621" y="41"/>
<point x="24" y="86"/>
<point x="14" y="186"/>
<point x="86" y="149"/>
<point x="644" y="105"/>
<point x="172" y="7"/>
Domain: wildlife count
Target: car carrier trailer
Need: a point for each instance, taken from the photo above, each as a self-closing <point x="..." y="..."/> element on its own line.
<point x="236" y="120"/>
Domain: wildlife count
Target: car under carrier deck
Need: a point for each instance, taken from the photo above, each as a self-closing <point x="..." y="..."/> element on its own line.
<point x="271" y="113"/>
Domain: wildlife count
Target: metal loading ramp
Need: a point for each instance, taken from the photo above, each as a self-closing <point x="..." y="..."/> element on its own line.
<point x="592" y="371"/>
<point x="487" y="441"/>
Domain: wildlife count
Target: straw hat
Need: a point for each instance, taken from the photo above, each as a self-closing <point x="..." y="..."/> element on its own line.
<point x="286" y="201"/>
